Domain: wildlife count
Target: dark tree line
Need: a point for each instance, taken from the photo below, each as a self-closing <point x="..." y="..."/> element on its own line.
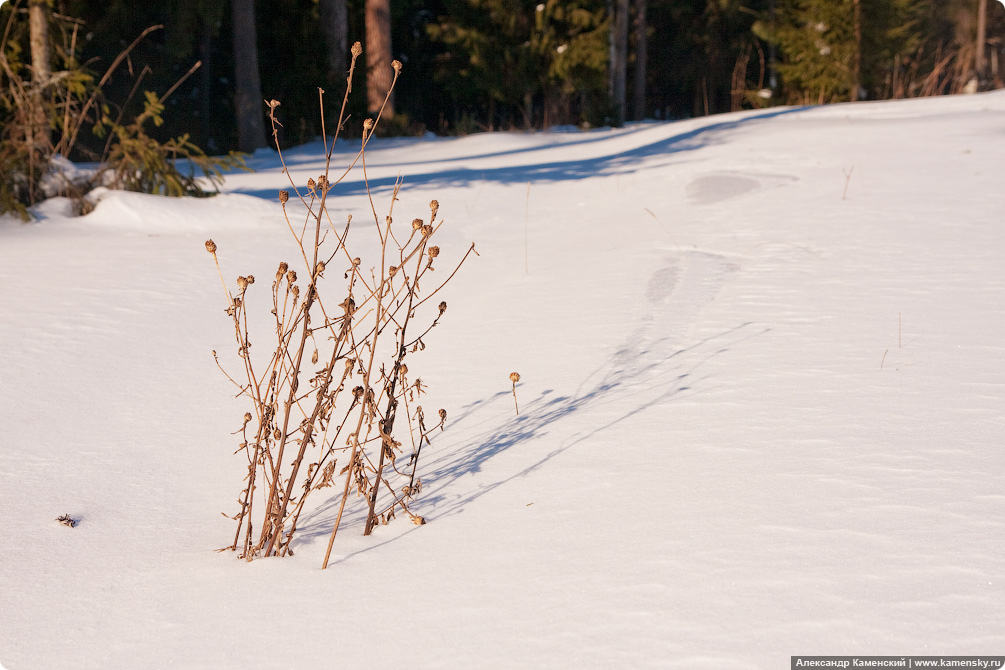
<point x="495" y="64"/>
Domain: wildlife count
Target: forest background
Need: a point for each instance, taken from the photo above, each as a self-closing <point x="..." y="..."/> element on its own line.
<point x="477" y="65"/>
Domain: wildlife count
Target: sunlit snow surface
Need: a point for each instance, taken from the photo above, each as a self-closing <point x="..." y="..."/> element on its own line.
<point x="762" y="407"/>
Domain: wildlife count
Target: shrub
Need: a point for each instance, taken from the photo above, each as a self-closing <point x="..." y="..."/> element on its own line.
<point x="334" y="389"/>
<point x="41" y="123"/>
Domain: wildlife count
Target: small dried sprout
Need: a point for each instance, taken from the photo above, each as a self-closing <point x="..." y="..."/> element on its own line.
<point x="211" y="246"/>
<point x="434" y="207"/>
<point x="443" y="307"/>
<point x="356" y="50"/>
<point x="367" y="125"/>
<point x="416" y="225"/>
<point x="434" y="252"/>
<point x="314" y="358"/>
<point x="515" y="377"/>
<point x="396" y="65"/>
<point x="284" y="196"/>
<point x="247" y="418"/>
<point x="443" y="418"/>
<point x="273" y="104"/>
<point x="311" y="185"/>
<point x="67" y="521"/>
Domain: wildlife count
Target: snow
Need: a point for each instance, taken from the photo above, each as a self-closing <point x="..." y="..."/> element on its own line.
<point x="761" y="407"/>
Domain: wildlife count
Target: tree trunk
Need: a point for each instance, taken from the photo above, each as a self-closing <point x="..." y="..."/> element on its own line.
<point x="206" y="34"/>
<point x="378" y="56"/>
<point x="619" y="60"/>
<point x="856" y="73"/>
<point x="41" y="70"/>
<point x="248" y="103"/>
<point x="335" y="26"/>
<point x="38" y="26"/>
<point x="639" y="92"/>
<point x="982" y="28"/>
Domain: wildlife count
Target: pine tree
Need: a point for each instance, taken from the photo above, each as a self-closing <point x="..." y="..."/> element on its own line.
<point x="839" y="50"/>
<point x="519" y="62"/>
<point x="816" y="39"/>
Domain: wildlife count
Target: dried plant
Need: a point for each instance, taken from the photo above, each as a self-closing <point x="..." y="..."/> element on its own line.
<point x="334" y="397"/>
<point x="515" y="377"/>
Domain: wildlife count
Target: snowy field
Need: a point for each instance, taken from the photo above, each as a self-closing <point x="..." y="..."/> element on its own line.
<point x="762" y="408"/>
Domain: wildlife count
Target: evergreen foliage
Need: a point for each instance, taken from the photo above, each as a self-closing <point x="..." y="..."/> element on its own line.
<point x="817" y="43"/>
<point x="495" y="64"/>
<point x="42" y="121"/>
<point x="520" y="62"/>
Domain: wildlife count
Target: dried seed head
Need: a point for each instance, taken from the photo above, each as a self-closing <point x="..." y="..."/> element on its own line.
<point x="277" y="433"/>
<point x="319" y="268"/>
<point x="291" y="276"/>
<point x="367" y="124"/>
<point x="311" y="184"/>
<point x="396" y="65"/>
<point x="443" y="307"/>
<point x="242" y="283"/>
<point x="434" y="206"/>
<point x="391" y="271"/>
<point x="418" y="521"/>
<point x="296" y="292"/>
<point x="403" y="369"/>
<point x="211" y="246"/>
<point x="514" y="377"/>
<point x="427" y="230"/>
<point x="284" y="196"/>
<point x="356" y="261"/>
<point x="443" y="415"/>
<point x="251" y="279"/>
<point x="357" y="392"/>
<point x="349" y="305"/>
<point x="314" y="358"/>
<point x="434" y="252"/>
<point x="416" y="224"/>
<point x="247" y="417"/>
<point x="273" y="104"/>
<point x="356" y="50"/>
<point x="323" y="183"/>
<point x="283" y="267"/>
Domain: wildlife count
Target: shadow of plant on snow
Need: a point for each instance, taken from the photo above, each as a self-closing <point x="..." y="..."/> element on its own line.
<point x="640" y="375"/>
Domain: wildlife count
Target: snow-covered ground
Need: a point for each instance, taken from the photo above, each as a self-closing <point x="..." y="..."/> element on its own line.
<point x="762" y="408"/>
